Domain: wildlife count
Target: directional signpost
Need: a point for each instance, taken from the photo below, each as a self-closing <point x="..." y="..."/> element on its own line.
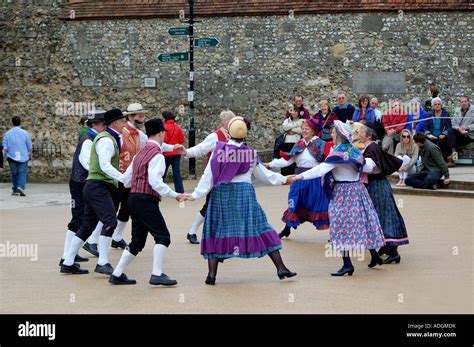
<point x="206" y="42"/>
<point x="179" y="31"/>
<point x="179" y="56"/>
<point x="189" y="56"/>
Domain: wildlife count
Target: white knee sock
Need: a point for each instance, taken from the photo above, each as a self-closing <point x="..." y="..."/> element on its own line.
<point x="118" y="233"/>
<point x="95" y="234"/>
<point x="67" y="241"/>
<point x="104" y="245"/>
<point x="198" y="220"/>
<point x="158" y="258"/>
<point x="74" y="247"/>
<point x="125" y="259"/>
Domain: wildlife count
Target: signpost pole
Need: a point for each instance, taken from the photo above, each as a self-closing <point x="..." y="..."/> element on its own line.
<point x="192" y="129"/>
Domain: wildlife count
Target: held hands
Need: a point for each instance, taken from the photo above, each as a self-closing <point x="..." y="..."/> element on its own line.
<point x="267" y="165"/>
<point x="442" y="137"/>
<point x="290" y="179"/>
<point x="184" y="197"/>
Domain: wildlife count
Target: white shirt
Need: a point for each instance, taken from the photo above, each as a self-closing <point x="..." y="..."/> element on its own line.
<point x="203" y="148"/>
<point x="258" y="170"/>
<point x="341" y="172"/>
<point x="305" y="159"/>
<point x="85" y="152"/>
<point x="295" y="126"/>
<point x="156" y="170"/>
<point x="105" y="151"/>
<point x="378" y="115"/>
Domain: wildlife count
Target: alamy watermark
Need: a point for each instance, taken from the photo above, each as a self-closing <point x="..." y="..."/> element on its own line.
<point x="69" y="108"/>
<point x="20" y="250"/>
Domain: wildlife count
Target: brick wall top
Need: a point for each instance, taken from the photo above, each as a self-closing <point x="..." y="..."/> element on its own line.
<point x="102" y="9"/>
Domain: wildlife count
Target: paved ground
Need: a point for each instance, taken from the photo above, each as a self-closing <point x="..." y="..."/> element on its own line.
<point x="435" y="275"/>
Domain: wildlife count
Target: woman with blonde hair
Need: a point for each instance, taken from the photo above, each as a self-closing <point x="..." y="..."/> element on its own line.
<point x="406" y="150"/>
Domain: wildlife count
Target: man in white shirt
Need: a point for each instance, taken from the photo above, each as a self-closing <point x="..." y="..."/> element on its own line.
<point x="200" y="150"/>
<point x="79" y="172"/>
<point x="100" y="195"/>
<point x="374" y="103"/>
<point x="145" y="177"/>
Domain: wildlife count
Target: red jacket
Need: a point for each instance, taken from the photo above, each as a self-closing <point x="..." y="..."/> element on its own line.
<point x="392" y="119"/>
<point x="173" y="136"/>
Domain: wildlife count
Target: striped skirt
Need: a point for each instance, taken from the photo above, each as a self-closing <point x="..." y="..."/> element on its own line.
<point x="354" y="222"/>
<point x="307" y="202"/>
<point x="235" y="225"/>
<point x="391" y="220"/>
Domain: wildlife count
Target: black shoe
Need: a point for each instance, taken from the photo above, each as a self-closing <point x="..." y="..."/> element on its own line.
<point x="391" y="259"/>
<point x="73" y="269"/>
<point x="193" y="239"/>
<point x="343" y="270"/>
<point x="285" y="232"/>
<point x="62" y="261"/>
<point x="21" y="192"/>
<point x="123" y="279"/>
<point x="375" y="261"/>
<point x="383" y="250"/>
<point x="79" y="259"/>
<point x="211" y="280"/>
<point x="163" y="280"/>
<point x="105" y="269"/>
<point x="119" y="244"/>
<point x="285" y="273"/>
<point x="91" y="248"/>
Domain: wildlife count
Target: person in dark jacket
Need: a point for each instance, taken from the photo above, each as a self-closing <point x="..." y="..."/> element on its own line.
<point x="436" y="130"/>
<point x="433" y="166"/>
<point x="343" y="110"/>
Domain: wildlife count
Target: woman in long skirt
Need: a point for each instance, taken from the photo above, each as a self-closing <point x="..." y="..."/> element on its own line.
<point x="306" y="199"/>
<point x="380" y="192"/>
<point x="235" y="224"/>
<point x="354" y="222"/>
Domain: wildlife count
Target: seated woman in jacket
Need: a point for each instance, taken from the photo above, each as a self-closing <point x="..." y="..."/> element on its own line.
<point x="364" y="112"/>
<point x="436" y="130"/>
<point x="407" y="151"/>
<point x="416" y="114"/>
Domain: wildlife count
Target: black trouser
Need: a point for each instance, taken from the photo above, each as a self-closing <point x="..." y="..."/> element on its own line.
<point x="424" y="179"/>
<point x="100" y="200"/>
<point x="77" y="205"/>
<point x="456" y="140"/>
<point x="204" y="207"/>
<point x="146" y="217"/>
<point x="123" y="213"/>
<point x="289" y="170"/>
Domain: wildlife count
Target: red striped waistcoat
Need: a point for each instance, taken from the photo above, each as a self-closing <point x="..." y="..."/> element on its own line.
<point x="140" y="182"/>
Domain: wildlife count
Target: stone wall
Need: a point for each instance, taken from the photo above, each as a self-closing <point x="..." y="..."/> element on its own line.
<point x="51" y="69"/>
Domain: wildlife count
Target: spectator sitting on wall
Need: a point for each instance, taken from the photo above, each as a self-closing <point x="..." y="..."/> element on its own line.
<point x="325" y="119"/>
<point x="374" y="103"/>
<point x="462" y="131"/>
<point x="393" y="120"/>
<point x="364" y="112"/>
<point x="298" y="106"/>
<point x="343" y="110"/>
<point x="416" y="114"/>
<point x="436" y="130"/>
<point x="407" y="151"/>
<point x="433" y="166"/>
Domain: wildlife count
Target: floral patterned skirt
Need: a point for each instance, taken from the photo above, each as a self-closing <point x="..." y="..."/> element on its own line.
<point x="354" y="221"/>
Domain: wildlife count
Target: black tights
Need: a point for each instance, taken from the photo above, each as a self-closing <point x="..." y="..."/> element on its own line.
<point x="274" y="256"/>
<point x="346" y="259"/>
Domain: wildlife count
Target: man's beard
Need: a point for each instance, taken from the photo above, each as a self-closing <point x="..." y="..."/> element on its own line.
<point x="138" y="124"/>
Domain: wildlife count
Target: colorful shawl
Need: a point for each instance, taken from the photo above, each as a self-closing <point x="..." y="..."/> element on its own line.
<point x="229" y="161"/>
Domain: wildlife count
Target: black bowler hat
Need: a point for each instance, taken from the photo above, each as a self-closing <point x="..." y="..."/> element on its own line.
<point x="112" y="115"/>
<point x="377" y="127"/>
<point x="154" y="126"/>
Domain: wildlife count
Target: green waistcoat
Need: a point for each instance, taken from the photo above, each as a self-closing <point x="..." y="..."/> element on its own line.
<point x="95" y="172"/>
